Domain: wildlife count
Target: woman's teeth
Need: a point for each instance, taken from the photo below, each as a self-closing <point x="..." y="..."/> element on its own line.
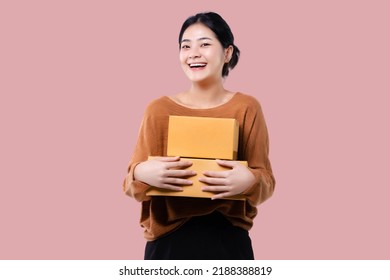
<point x="197" y="65"/>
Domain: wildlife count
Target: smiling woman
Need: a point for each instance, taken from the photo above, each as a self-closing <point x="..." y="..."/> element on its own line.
<point x="201" y="228"/>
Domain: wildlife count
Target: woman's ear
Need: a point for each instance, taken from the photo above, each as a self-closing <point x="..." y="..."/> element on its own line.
<point x="228" y="53"/>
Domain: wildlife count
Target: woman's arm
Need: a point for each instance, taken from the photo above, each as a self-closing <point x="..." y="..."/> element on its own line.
<point x="161" y="171"/>
<point x="256" y="181"/>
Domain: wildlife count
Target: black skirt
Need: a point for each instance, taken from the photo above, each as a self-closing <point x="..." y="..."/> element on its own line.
<point x="209" y="237"/>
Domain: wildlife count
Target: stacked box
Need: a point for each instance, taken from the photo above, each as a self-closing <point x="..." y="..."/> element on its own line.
<point x="200" y="137"/>
<point x="200" y="140"/>
<point x="195" y="190"/>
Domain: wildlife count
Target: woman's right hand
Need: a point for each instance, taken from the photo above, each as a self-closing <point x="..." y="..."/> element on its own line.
<point x="164" y="172"/>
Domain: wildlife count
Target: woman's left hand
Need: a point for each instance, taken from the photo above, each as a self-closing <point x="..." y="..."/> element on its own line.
<point x="230" y="182"/>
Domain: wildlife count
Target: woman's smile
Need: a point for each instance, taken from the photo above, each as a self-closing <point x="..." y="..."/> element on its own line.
<point x="197" y="66"/>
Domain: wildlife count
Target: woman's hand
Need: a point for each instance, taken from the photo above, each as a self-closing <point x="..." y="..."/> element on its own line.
<point x="162" y="172"/>
<point x="229" y="182"/>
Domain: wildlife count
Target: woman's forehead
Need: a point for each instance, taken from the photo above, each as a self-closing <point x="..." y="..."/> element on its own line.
<point x="198" y="31"/>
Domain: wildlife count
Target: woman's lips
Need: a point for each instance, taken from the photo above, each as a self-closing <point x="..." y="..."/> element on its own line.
<point x="197" y="66"/>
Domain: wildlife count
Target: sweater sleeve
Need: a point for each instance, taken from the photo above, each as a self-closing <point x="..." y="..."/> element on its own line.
<point x="256" y="150"/>
<point x="149" y="143"/>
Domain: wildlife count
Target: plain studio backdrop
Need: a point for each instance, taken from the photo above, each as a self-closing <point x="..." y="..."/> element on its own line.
<point x="76" y="76"/>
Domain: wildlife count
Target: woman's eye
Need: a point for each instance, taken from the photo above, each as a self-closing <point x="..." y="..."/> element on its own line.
<point x="205" y="44"/>
<point x="185" y="47"/>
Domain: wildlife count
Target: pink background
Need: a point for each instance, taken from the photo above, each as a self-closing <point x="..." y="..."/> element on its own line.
<point x="77" y="75"/>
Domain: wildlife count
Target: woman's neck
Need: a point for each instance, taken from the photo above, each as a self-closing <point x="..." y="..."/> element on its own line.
<point x="203" y="96"/>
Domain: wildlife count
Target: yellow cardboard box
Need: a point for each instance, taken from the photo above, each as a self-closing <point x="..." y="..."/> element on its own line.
<point x="201" y="137"/>
<point x="195" y="190"/>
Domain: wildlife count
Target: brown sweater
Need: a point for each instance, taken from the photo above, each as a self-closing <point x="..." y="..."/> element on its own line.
<point x="161" y="215"/>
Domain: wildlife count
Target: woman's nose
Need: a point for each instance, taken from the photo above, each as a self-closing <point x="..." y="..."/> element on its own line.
<point x="194" y="53"/>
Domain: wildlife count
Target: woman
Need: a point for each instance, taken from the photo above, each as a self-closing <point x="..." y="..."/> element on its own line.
<point x="199" y="228"/>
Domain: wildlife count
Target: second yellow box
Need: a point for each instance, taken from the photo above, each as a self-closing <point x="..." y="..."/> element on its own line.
<point x="195" y="190"/>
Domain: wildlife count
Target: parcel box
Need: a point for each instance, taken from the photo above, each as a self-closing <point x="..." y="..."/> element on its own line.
<point x="195" y="190"/>
<point x="201" y="137"/>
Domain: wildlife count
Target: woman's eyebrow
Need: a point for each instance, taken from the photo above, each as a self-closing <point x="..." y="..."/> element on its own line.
<point x="199" y="39"/>
<point x="204" y="38"/>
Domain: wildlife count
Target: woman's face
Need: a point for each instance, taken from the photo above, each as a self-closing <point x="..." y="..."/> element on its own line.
<point x="201" y="54"/>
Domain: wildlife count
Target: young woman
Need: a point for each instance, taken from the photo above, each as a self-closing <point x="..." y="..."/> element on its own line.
<point x="200" y="228"/>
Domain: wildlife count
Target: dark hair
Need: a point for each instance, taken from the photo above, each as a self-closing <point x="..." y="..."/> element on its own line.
<point x="221" y="29"/>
